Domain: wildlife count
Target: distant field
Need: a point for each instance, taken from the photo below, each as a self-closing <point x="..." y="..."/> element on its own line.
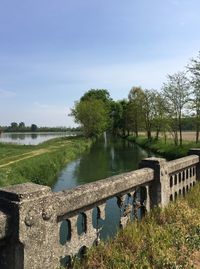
<point x="187" y="135"/>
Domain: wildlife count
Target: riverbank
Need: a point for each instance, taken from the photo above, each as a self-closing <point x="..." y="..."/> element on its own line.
<point x="165" y="238"/>
<point x="168" y="150"/>
<point x="39" y="164"/>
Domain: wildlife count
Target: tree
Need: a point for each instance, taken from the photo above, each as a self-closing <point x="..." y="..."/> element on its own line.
<point x="99" y="94"/>
<point x="176" y="94"/>
<point x="14" y="126"/>
<point x="148" y="110"/>
<point x="124" y="120"/>
<point x="93" y="116"/>
<point x="116" y="116"/>
<point x="21" y="125"/>
<point x="33" y="127"/>
<point x="136" y="98"/>
<point x="160" y="118"/>
<point x="194" y="69"/>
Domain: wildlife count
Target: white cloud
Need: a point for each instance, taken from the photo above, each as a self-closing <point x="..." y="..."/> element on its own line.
<point x="6" y="94"/>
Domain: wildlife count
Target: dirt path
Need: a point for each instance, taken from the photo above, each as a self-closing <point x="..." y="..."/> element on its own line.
<point x="26" y="156"/>
<point x="32" y="154"/>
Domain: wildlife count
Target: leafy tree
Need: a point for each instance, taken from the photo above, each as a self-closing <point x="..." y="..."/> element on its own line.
<point x="160" y="117"/>
<point x="124" y="119"/>
<point x="13" y="126"/>
<point x="21" y="125"/>
<point x="99" y="94"/>
<point x="93" y="115"/>
<point x="149" y="111"/>
<point x="176" y="94"/>
<point x="136" y="98"/>
<point x="194" y="69"/>
<point x="116" y="116"/>
<point x="34" y="128"/>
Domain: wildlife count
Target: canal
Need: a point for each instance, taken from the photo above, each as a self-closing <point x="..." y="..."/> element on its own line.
<point x="107" y="157"/>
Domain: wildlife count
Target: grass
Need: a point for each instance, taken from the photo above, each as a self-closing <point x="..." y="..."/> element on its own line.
<point x="166" y="238"/>
<point x="167" y="150"/>
<point x="39" y="164"/>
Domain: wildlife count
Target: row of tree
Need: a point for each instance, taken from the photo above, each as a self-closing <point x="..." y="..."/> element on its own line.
<point x="21" y="127"/>
<point x="168" y="110"/>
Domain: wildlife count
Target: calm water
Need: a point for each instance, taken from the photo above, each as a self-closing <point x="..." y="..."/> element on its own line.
<point x="107" y="157"/>
<point x="31" y="138"/>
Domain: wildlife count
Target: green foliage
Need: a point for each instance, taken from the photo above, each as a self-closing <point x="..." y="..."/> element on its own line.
<point x="14" y="127"/>
<point x="164" y="239"/>
<point x="34" y="127"/>
<point x="176" y="93"/>
<point x="136" y="100"/>
<point x="98" y="94"/>
<point x="93" y="112"/>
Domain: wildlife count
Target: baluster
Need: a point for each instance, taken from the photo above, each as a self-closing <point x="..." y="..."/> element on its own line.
<point x="102" y="209"/>
<point x="136" y="203"/>
<point x="72" y="246"/>
<point x="101" y="214"/>
<point x="147" y="202"/>
<point x="125" y="209"/>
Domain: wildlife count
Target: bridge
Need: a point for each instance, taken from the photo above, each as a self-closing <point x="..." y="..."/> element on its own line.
<point x="32" y="216"/>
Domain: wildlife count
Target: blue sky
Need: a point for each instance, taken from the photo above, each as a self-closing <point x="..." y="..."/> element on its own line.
<point x="51" y="52"/>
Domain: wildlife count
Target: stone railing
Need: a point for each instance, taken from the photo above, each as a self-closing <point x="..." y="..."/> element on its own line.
<point x="40" y="229"/>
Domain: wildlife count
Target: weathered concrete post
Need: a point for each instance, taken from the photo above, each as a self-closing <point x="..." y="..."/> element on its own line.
<point x="196" y="151"/>
<point x="31" y="244"/>
<point x="159" y="188"/>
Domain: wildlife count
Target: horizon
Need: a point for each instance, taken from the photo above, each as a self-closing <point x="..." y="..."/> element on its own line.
<point x="52" y="53"/>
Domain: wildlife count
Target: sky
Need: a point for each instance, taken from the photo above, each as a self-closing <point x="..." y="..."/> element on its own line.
<point x="51" y="52"/>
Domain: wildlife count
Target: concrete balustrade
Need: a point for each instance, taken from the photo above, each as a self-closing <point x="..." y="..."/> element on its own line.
<point x="39" y="229"/>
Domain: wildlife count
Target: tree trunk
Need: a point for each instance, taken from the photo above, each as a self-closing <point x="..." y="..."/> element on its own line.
<point x="136" y="129"/>
<point x="157" y="134"/>
<point x="175" y="138"/>
<point x="197" y="134"/>
<point x="180" y="130"/>
<point x="149" y="134"/>
<point x="197" y="127"/>
<point x="180" y="133"/>
<point x="165" y="136"/>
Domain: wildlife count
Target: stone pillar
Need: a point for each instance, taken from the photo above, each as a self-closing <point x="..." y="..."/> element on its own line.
<point x="159" y="188"/>
<point x="196" y="151"/>
<point x="33" y="240"/>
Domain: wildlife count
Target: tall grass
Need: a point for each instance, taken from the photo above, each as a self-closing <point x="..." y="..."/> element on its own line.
<point x="41" y="169"/>
<point x="166" y="238"/>
<point x="167" y="150"/>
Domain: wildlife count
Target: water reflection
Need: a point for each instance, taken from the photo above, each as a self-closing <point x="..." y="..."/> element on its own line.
<point x="107" y="157"/>
<point x="101" y="161"/>
<point x="30" y="138"/>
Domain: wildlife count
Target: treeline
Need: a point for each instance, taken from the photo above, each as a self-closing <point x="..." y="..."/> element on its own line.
<point x="174" y="108"/>
<point x="21" y="127"/>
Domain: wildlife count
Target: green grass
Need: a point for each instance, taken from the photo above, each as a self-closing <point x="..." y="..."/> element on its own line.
<point x="39" y="164"/>
<point x="167" y="150"/>
<point x="166" y="238"/>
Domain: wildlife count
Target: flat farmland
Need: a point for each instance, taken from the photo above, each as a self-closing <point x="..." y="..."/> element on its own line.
<point x="187" y="135"/>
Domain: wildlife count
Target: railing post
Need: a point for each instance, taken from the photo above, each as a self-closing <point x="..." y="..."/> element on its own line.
<point x="159" y="189"/>
<point x="196" y="151"/>
<point x="30" y="245"/>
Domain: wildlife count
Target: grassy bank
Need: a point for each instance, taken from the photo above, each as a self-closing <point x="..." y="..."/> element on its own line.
<point x="39" y="164"/>
<point x="167" y="150"/>
<point x="165" y="239"/>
